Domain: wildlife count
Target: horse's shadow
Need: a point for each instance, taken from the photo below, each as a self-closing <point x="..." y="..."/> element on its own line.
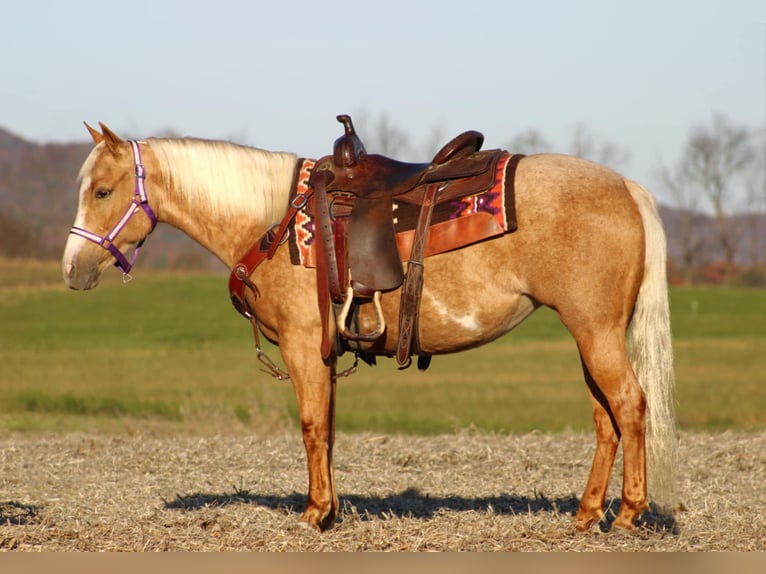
<point x="17" y="513"/>
<point x="411" y="503"/>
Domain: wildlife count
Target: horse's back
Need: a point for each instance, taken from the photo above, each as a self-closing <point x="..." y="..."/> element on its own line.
<point x="558" y="188"/>
<point x="563" y="194"/>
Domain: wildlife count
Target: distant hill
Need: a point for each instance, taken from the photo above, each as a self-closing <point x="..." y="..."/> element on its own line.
<point x="38" y="201"/>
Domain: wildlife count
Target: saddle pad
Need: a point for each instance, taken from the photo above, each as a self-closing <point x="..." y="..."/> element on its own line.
<point x="448" y="218"/>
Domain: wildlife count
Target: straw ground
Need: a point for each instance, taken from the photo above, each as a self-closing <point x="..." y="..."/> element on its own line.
<point x="468" y="491"/>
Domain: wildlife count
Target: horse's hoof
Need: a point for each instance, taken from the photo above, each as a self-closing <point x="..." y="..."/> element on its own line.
<point x="585" y="519"/>
<point x="316" y="521"/>
<point x="624" y="524"/>
<point x="628" y="515"/>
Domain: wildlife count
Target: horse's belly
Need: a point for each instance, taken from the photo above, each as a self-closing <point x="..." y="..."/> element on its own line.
<point x="447" y="325"/>
<point x="464" y="303"/>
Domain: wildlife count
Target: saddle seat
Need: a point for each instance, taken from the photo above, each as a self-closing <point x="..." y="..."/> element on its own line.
<point x="371" y="176"/>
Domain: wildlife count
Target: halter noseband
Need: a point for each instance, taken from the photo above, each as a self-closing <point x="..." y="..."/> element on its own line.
<point x="139" y="202"/>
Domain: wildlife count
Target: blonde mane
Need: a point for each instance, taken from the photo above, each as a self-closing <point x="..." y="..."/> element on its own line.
<point x="226" y="179"/>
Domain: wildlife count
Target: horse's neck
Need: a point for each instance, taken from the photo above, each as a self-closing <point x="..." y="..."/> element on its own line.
<point x="227" y="223"/>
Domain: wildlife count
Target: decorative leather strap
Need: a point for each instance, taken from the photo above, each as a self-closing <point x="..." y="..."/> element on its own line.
<point x="413" y="280"/>
<point x="266" y="245"/>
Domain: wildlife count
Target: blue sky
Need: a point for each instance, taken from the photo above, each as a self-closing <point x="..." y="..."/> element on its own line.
<point x="274" y="75"/>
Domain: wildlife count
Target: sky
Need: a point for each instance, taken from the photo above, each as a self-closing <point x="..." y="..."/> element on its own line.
<point x="638" y="75"/>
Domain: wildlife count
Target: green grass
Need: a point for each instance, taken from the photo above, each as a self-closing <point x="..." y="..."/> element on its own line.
<point x="40" y="402"/>
<point x="168" y="350"/>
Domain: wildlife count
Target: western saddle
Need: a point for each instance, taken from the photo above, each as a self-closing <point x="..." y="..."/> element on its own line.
<point x="358" y="256"/>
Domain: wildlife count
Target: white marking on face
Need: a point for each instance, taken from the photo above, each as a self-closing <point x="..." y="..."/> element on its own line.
<point x="82" y="209"/>
<point x="75" y="243"/>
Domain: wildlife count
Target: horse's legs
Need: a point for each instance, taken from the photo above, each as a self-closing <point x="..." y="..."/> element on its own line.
<point x="618" y="411"/>
<point x="314" y="384"/>
<point x="607" y="440"/>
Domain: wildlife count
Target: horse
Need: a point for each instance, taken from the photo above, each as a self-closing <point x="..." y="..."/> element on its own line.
<point x="589" y="244"/>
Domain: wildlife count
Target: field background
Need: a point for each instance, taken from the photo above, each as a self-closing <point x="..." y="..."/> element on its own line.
<point x="166" y="361"/>
<point x="168" y="349"/>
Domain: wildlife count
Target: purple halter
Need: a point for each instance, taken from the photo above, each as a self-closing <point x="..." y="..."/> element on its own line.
<point x="140" y="201"/>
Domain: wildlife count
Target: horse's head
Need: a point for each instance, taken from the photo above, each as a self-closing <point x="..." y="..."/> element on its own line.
<point x="113" y="213"/>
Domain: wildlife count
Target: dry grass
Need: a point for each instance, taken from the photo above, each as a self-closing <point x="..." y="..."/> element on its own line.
<point x="464" y="491"/>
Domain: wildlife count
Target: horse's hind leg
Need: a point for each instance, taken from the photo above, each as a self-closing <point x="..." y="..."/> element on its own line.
<point x="618" y="413"/>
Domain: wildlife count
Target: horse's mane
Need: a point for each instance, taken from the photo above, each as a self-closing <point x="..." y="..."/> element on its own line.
<point x="226" y="178"/>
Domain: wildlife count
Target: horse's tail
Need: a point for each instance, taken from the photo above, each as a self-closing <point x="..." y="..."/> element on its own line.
<point x="651" y="354"/>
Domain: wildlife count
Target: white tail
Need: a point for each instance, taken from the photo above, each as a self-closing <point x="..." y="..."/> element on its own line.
<point x="651" y="354"/>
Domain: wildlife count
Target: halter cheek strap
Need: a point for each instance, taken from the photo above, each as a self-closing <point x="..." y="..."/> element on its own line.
<point x="140" y="202"/>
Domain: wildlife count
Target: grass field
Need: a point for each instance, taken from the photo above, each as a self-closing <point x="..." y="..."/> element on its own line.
<point x="168" y="351"/>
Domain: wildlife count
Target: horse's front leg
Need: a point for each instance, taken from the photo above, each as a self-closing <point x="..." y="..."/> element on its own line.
<point x="314" y="385"/>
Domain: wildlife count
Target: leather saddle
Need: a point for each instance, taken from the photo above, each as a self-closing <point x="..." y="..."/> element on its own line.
<point x="369" y="184"/>
<point x="355" y="193"/>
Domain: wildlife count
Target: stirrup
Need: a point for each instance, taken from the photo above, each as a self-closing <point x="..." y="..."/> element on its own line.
<point x="343" y="315"/>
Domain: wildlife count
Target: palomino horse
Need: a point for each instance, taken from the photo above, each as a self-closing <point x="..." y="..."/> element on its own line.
<point x="589" y="245"/>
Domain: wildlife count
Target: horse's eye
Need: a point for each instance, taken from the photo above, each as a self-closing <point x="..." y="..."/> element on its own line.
<point x="102" y="193"/>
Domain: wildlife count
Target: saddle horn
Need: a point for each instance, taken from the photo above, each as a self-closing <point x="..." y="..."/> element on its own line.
<point x="348" y="148"/>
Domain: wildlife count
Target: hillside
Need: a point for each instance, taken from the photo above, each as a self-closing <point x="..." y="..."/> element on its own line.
<point x="38" y="202"/>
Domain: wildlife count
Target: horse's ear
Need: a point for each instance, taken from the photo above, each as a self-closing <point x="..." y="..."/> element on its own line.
<point x="111" y="139"/>
<point x="95" y="134"/>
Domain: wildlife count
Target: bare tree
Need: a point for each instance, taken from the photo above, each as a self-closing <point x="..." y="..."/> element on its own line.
<point x="529" y="141"/>
<point x="686" y="198"/>
<point x="381" y="135"/>
<point x="713" y="160"/>
<point x="586" y="145"/>
<point x="755" y="199"/>
<point x="583" y="144"/>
